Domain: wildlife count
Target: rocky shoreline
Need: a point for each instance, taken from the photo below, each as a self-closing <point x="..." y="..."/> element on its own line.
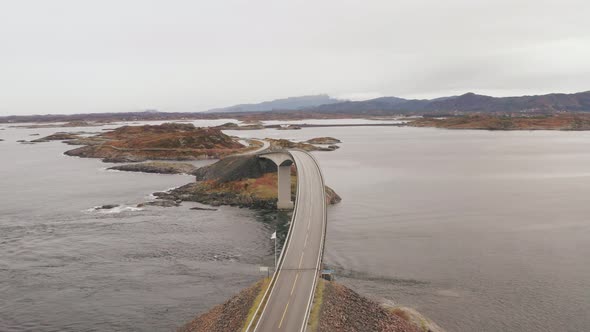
<point x="323" y="140"/>
<point x="238" y="180"/>
<point x="243" y="181"/>
<point x="572" y="121"/>
<point x="168" y="141"/>
<point x="336" y="308"/>
<point x="307" y="146"/>
<point x="157" y="167"/>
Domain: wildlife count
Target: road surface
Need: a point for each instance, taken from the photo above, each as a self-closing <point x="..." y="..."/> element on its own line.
<point x="288" y="303"/>
<point x="265" y="145"/>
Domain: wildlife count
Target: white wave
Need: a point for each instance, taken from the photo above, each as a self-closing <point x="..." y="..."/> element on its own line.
<point x="117" y="209"/>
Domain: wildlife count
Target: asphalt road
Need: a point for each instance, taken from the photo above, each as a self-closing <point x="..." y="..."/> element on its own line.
<point x="287" y="306"/>
<point x="265" y="145"/>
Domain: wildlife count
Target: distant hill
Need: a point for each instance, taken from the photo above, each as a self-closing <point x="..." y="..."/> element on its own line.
<point x="323" y="106"/>
<point x="151" y="115"/>
<point x="468" y="102"/>
<point x="285" y="104"/>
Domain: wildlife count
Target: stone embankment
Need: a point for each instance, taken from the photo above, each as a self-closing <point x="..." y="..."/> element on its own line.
<point x="230" y="316"/>
<point x="336" y="309"/>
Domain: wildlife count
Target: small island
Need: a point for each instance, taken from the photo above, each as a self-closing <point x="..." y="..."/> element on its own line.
<point x="157" y="167"/>
<point x="237" y="179"/>
<point x="307" y="146"/>
<point x="244" y="181"/>
<point x="323" y="140"/>
<point x="567" y="121"/>
<point x="168" y="141"/>
<point x="57" y="137"/>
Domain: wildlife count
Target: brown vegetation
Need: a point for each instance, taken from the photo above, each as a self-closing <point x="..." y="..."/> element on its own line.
<point x="157" y="167"/>
<point x="286" y="144"/>
<point x="245" y="181"/>
<point x="567" y="121"/>
<point x="57" y="137"/>
<point x="323" y="140"/>
<point x="227" y="317"/>
<point x="339" y="309"/>
<point x="343" y="309"/>
<point x="169" y="141"/>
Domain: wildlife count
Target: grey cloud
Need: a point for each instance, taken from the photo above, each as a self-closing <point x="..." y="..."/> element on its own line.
<point x="66" y="56"/>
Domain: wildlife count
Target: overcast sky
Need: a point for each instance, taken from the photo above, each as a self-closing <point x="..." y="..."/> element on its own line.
<point x="81" y="56"/>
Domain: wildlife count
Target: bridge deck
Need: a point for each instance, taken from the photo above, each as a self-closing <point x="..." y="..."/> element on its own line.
<point x="287" y="305"/>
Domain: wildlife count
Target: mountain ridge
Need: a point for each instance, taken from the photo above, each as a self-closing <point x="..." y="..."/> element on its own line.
<point x="467" y="102"/>
<point x="383" y="106"/>
<point x="289" y="103"/>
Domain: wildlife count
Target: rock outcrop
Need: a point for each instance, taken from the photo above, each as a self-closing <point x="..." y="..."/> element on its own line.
<point x="341" y="309"/>
<point x="323" y="140"/>
<point x="286" y="144"/>
<point x="236" y="168"/>
<point x="235" y="126"/>
<point x="57" y="137"/>
<point x="161" y="203"/>
<point x="168" y="141"/>
<point x="244" y="181"/>
<point x="157" y="167"/>
<point x="344" y="310"/>
<point x="227" y="317"/>
<point x="505" y="122"/>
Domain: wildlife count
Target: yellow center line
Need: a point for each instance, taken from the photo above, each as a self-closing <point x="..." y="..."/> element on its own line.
<point x="294" y="283"/>
<point x="284" y="312"/>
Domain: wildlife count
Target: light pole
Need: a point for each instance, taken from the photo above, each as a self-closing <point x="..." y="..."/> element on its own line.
<point x="274" y="237"/>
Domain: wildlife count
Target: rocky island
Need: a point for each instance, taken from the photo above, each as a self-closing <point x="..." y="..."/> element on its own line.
<point x="57" y="137"/>
<point x="567" y="121"/>
<point x="238" y="179"/>
<point x="323" y="140"/>
<point x="307" y="146"/>
<point x="168" y="141"/>
<point x="157" y="167"/>
<point x="244" y="181"/>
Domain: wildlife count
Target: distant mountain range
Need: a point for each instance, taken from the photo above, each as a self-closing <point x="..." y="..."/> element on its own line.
<point x="285" y="104"/>
<point x="322" y="106"/>
<point x="469" y="102"/>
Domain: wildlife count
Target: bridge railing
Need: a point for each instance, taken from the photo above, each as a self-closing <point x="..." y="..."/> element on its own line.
<point x="323" y="242"/>
<point x="270" y="289"/>
<point x="275" y="275"/>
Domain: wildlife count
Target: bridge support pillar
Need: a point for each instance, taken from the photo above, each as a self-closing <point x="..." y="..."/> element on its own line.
<point x="283" y="161"/>
<point x="284" y="201"/>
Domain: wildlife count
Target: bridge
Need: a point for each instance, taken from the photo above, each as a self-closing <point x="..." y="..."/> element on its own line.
<point x="287" y="301"/>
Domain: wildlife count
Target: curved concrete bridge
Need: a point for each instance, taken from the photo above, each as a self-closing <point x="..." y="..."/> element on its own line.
<point x="287" y="302"/>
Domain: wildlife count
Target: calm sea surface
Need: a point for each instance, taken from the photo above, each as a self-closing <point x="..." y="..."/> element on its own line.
<point x="480" y="231"/>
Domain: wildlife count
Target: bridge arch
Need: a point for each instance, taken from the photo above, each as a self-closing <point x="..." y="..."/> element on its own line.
<point x="283" y="160"/>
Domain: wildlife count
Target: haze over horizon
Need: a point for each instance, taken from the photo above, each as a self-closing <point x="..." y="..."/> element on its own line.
<point x="66" y="56"/>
